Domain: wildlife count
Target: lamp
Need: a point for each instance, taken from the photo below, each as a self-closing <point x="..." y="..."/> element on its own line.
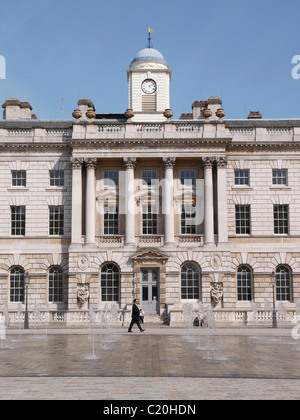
<point x="273" y="282"/>
<point x="26" y="318"/>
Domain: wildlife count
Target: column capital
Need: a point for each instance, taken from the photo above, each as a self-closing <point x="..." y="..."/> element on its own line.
<point x="77" y="163"/>
<point x="221" y="162"/>
<point x="130" y="162"/>
<point x="169" y="162"/>
<point x="208" y="162"/>
<point x="91" y="163"/>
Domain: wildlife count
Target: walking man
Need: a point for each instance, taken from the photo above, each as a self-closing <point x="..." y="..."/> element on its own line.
<point x="135" y="315"/>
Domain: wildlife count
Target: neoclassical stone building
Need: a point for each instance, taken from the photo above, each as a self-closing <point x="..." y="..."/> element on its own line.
<point x="103" y="208"/>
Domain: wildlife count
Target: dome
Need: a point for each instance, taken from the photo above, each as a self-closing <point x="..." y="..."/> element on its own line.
<point x="149" y="54"/>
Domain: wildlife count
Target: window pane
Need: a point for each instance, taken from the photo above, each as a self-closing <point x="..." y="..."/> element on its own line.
<point x="17" y="285"/>
<point x="17" y="220"/>
<point x="110" y="280"/>
<point x="281" y="219"/>
<point x="55" y="284"/>
<point x="18" y="178"/>
<point x="242" y="219"/>
<point x="244" y="284"/>
<point x="149" y="220"/>
<point x="149" y="178"/>
<point x="279" y="177"/>
<point x="190" y="282"/>
<point x="187" y="177"/>
<point x="188" y="219"/>
<point x="56" y="220"/>
<point x="283" y="283"/>
<point x="57" y="178"/>
<point x="241" y="177"/>
<point x="111" y="220"/>
<point x="111" y="178"/>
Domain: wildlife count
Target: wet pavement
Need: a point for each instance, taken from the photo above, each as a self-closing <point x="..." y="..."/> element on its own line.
<point x="168" y="363"/>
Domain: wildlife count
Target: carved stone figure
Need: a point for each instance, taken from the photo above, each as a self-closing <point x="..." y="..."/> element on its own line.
<point x="83" y="294"/>
<point x="217" y="293"/>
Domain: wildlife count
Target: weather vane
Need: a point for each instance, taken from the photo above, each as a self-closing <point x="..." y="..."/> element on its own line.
<point x="149" y="43"/>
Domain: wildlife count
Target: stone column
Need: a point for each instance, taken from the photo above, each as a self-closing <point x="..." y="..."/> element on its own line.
<point x="168" y="199"/>
<point x="91" y="165"/>
<point x="77" y="164"/>
<point x="208" y="201"/>
<point x="130" y="164"/>
<point x="222" y="200"/>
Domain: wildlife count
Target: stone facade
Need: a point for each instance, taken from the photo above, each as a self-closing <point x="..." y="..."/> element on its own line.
<point x="82" y="253"/>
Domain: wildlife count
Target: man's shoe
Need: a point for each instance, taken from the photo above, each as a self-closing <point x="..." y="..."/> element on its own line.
<point x="142" y="330"/>
<point x="129" y="331"/>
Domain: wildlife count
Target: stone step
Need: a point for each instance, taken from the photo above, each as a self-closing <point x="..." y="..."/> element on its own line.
<point x="152" y="319"/>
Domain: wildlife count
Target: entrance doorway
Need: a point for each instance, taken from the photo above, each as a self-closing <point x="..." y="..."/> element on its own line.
<point x="150" y="290"/>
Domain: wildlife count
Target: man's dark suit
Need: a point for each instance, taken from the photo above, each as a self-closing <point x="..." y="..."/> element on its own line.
<point x="135" y="315"/>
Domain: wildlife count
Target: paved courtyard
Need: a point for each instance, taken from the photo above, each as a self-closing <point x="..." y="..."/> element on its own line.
<point x="167" y="363"/>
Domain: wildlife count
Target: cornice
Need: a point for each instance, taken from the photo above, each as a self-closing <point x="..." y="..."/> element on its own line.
<point x="34" y="145"/>
<point x="278" y="146"/>
<point x="150" y="142"/>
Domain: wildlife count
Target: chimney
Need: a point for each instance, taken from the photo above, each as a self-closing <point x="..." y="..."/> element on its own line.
<point x="25" y="111"/>
<point x="254" y="115"/>
<point x="13" y="109"/>
<point x="214" y="103"/>
<point x="84" y="105"/>
<point x="198" y="107"/>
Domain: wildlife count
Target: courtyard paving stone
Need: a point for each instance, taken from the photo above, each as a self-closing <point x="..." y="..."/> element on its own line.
<point x="168" y="363"/>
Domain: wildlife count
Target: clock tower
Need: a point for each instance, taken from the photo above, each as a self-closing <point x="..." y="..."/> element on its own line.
<point x="149" y="86"/>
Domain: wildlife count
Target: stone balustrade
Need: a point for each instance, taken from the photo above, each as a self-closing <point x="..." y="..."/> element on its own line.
<point x="222" y="317"/>
<point x="39" y="131"/>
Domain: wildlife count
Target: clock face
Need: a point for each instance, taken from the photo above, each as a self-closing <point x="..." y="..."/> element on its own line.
<point x="148" y="86"/>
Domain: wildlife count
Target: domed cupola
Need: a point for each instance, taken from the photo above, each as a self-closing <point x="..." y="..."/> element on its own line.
<point x="149" y="84"/>
<point x="148" y="55"/>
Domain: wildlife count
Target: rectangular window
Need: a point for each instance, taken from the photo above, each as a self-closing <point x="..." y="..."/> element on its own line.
<point x="111" y="178"/>
<point x="55" y="285"/>
<point x="244" y="284"/>
<point x="17" y="217"/>
<point x="188" y="178"/>
<point x="149" y="178"/>
<point x="279" y="177"/>
<point x="188" y="219"/>
<point x="149" y="220"/>
<point x="57" y="178"/>
<point x="111" y="220"/>
<point x="281" y="219"/>
<point x="56" y="220"/>
<point x="18" y="178"/>
<point x="241" y="177"/>
<point x="242" y="219"/>
<point x="17" y="285"/>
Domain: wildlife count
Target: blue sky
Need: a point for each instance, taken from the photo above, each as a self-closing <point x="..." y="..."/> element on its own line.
<point x="239" y="50"/>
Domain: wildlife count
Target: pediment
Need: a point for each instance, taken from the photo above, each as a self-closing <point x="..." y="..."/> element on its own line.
<point x="149" y="255"/>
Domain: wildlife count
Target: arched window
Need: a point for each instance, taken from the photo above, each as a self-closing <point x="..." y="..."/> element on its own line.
<point x="283" y="283"/>
<point x="17" y="284"/>
<point x="55" y="284"/>
<point x="190" y="281"/>
<point x="244" y="283"/>
<point x="110" y="283"/>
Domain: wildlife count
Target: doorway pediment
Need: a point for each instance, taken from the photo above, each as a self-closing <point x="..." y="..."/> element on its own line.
<point x="150" y="255"/>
